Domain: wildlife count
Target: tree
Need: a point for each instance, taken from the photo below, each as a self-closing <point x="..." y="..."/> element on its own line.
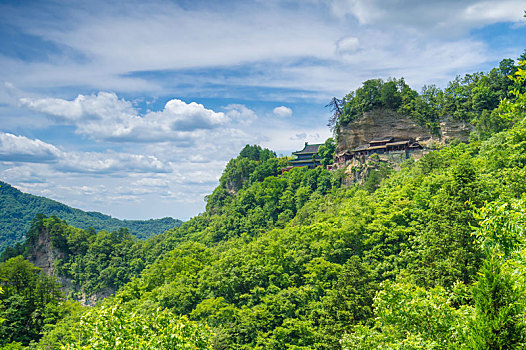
<point x="498" y="312"/>
<point x="114" y="327"/>
<point x="326" y="151"/>
<point x="336" y="106"/>
<point x="25" y="303"/>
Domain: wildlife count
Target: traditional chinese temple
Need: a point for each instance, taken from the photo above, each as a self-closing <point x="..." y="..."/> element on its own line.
<point x="380" y="146"/>
<point x="308" y="156"/>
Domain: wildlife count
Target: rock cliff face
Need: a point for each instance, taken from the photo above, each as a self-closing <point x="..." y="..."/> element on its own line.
<point x="383" y="122"/>
<point x="455" y="129"/>
<point x="41" y="254"/>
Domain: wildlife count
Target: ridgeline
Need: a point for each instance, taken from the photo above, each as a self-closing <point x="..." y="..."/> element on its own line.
<point x="427" y="257"/>
<point x="19" y="209"/>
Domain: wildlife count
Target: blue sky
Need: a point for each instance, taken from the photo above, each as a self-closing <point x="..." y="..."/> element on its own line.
<point x="133" y="108"/>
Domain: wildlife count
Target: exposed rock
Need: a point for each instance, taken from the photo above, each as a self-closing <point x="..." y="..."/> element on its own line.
<point x="41" y="253"/>
<point x="93" y="299"/>
<point x="380" y="123"/>
<point x="385" y="122"/>
<point x="455" y="129"/>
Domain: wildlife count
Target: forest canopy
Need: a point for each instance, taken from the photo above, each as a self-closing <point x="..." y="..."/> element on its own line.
<point x="472" y="98"/>
<point x="430" y="257"/>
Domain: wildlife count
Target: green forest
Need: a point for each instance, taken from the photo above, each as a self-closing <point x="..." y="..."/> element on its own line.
<point x="427" y="257"/>
<point x="18" y="209"/>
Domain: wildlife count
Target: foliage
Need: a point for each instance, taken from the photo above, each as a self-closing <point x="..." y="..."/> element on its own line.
<point x="18" y="209"/>
<point x="430" y="257"/>
<point x="497" y="323"/>
<point x="114" y="327"/>
<point x="92" y="262"/>
<point x="374" y="93"/>
<point x="474" y="98"/>
<point x="411" y="317"/>
<point x="294" y="261"/>
<point x="326" y="151"/>
<point x="31" y="301"/>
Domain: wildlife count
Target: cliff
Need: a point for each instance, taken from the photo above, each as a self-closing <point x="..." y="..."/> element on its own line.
<point x="385" y="122"/>
<point x="41" y="253"/>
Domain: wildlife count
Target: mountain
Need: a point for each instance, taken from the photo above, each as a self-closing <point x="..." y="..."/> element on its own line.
<point x="19" y="209"/>
<point x="430" y="256"/>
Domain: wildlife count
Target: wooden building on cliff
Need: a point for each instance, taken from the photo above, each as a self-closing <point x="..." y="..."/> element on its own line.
<point x="381" y="146"/>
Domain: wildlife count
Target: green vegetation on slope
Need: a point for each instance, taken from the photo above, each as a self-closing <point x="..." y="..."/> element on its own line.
<point x="18" y="209"/>
<point x="473" y="98"/>
<point x="30" y="302"/>
<point x="91" y="262"/>
<point x="431" y="259"/>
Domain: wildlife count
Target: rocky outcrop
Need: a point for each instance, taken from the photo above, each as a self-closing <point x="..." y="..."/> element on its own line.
<point x="455" y="129"/>
<point x="379" y="123"/>
<point x="42" y="254"/>
<point x="384" y="122"/>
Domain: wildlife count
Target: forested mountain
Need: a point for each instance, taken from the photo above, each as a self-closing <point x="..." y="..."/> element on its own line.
<point x="18" y="209"/>
<point x="472" y="99"/>
<point x="428" y="257"/>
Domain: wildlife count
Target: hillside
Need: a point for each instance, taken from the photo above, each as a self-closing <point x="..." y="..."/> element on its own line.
<point x="428" y="257"/>
<point x="351" y="268"/>
<point x="464" y="109"/>
<point x="19" y="209"/>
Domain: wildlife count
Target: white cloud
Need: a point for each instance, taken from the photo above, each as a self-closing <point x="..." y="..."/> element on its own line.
<point x="110" y="163"/>
<point x="239" y="36"/>
<point x="282" y="111"/>
<point x="29" y="173"/>
<point x="21" y="149"/>
<point x="240" y="114"/>
<point x="492" y="12"/>
<point x="347" y="45"/>
<point x="151" y="182"/>
<point x="187" y="117"/>
<point x="278" y="52"/>
<point x="106" y="117"/>
<point x="450" y="16"/>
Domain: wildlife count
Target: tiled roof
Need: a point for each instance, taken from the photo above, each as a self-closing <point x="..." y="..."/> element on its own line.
<point x="398" y="143"/>
<point x="360" y="148"/>
<point x="381" y="139"/>
<point x="376" y="147"/>
<point x="346" y="152"/>
<point x="309" y="149"/>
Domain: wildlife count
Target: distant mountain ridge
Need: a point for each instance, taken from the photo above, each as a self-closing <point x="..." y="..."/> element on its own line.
<point x="18" y="210"/>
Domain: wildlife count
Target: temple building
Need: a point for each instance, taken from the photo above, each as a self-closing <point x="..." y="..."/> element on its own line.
<point x="381" y="146"/>
<point x="308" y="156"/>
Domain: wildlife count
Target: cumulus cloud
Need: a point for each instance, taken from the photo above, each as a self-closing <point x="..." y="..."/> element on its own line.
<point x="240" y="114"/>
<point x="28" y="173"/>
<point x="110" y="162"/>
<point x="187" y="117"/>
<point x="15" y="148"/>
<point x="299" y="51"/>
<point x="106" y="117"/>
<point x="20" y="149"/>
<point x="282" y="111"/>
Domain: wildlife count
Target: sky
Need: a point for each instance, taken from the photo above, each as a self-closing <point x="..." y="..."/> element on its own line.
<point x="133" y="108"/>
